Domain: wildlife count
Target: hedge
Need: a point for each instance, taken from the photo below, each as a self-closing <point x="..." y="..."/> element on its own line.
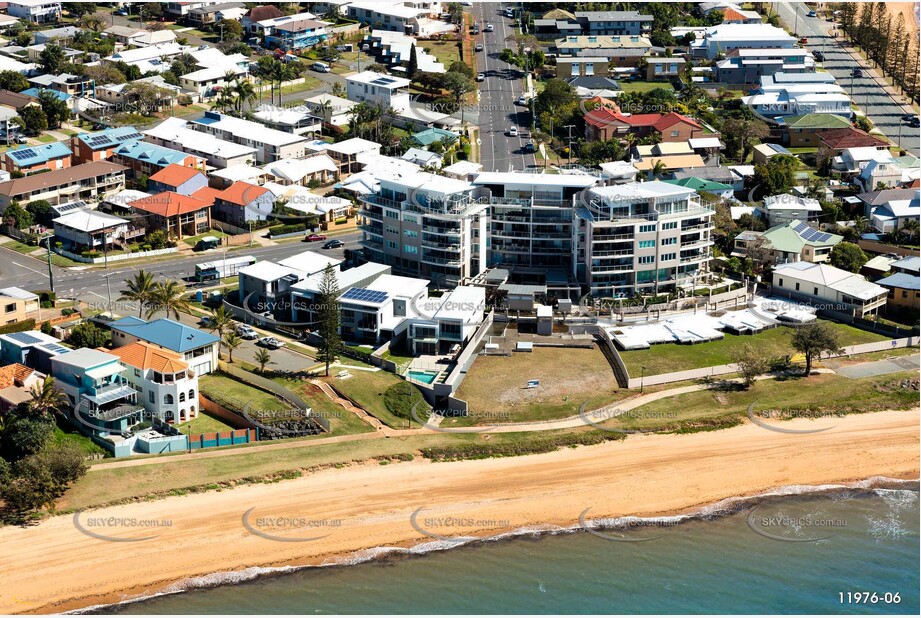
<point x="18" y="326"/>
<point x="288" y="229"/>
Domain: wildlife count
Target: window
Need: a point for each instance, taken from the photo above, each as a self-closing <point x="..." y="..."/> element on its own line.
<point x="151" y="397"/>
<point x="391" y="214"/>
<point x="137" y="373"/>
<point x="411" y="219"/>
<point x="410" y="249"/>
<point x="780" y="282"/>
<point x="675" y="133"/>
<point x="391" y="230"/>
<point x="797" y="287"/>
<point x="815" y="291"/>
<point x="410" y="233"/>
<point x="191" y="394"/>
<point x="668" y="256"/>
<point x="668" y="241"/>
<point x="647" y="228"/>
<point x="10" y="308"/>
<point x="391" y="244"/>
<point x="670" y="225"/>
<point x="646" y="244"/>
<point x="647" y="259"/>
<point x="181" y="397"/>
<point x="168" y="399"/>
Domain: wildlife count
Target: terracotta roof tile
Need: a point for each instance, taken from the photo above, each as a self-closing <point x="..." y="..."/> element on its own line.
<point x="206" y="194"/>
<point x="169" y="204"/>
<point x="850" y="137"/>
<point x="173" y="175"/>
<point x="14" y="375"/>
<point x="142" y="355"/>
<point x="242" y="193"/>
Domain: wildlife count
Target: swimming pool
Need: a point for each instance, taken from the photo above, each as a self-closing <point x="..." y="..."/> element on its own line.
<point x="426" y="377"/>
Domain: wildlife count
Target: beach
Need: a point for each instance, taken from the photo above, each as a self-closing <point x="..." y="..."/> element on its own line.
<point x="54" y="566"/>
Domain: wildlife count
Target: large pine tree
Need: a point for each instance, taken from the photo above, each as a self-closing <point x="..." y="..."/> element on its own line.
<point x="327" y="311"/>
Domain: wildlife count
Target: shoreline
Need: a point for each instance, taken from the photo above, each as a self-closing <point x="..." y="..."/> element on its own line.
<point x="59" y="569"/>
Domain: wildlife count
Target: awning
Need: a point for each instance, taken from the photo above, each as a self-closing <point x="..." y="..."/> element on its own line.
<point x="112" y="395"/>
<point x="105" y="372"/>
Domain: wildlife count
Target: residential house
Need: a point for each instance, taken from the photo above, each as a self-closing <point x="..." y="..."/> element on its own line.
<point x="270" y="145"/>
<point x="448" y="322"/>
<point x="241" y="203"/>
<point x="297" y="33"/>
<point x="31" y="159"/>
<point x="423" y="158"/>
<point x="180" y="10"/>
<point x="89" y="230"/>
<point x="101" y="400"/>
<point x="335" y="111"/>
<point x="252" y="21"/>
<point x="211" y="14"/>
<point x="385" y="91"/>
<point x="166" y="385"/>
<point x="803" y="131"/>
<point x="89" y="182"/>
<point x="123" y="35"/>
<point x="178" y="179"/>
<point x="618" y="50"/>
<point x="829" y="287"/>
<point x="839" y="140"/>
<point x="746" y="67"/>
<point x="761" y="153"/>
<point x="786" y="208"/>
<point x="903" y="294"/>
<point x="376" y="312"/>
<point x="672" y="127"/>
<point x="395" y="48"/>
<point x="100" y="145"/>
<point x="734" y="15"/>
<point x="219" y="153"/>
<point x="196" y="347"/>
<point x="16" y="382"/>
<point x="296" y="120"/>
<point x="889" y="209"/>
<point x="794" y="101"/>
<point x="724" y="38"/>
<point x="150" y="58"/>
<point x="406" y="17"/>
<point x="567" y="68"/>
<point x="32" y="348"/>
<point x="16" y="101"/>
<point x="699" y="184"/>
<point x="144" y="158"/>
<point x="221" y="179"/>
<point x="795" y="241"/>
<point x="17" y="305"/>
<point x="35" y="11"/>
<point x="664" y="68"/>
<point x="348" y="152"/>
<point x="267" y="286"/>
<point x="177" y="214"/>
<point x="320" y="168"/>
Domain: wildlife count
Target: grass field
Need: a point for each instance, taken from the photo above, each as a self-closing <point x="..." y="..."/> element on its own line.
<point x="65" y="434"/>
<point x="446" y="52"/>
<point x="193" y="240"/>
<point x="222" y="389"/>
<point x="367" y="388"/>
<point x="204" y="423"/>
<point x="775" y="343"/>
<point x="341" y="421"/>
<point x="630" y="86"/>
<point x="822" y="394"/>
<point x="494" y="388"/>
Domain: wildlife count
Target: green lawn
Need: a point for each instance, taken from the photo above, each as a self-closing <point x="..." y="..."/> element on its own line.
<point x="669" y="357"/>
<point x="310" y="83"/>
<point x="367" y="388"/>
<point x="495" y="386"/>
<point x="205" y="423"/>
<point x="631" y="86"/>
<point x="233" y="394"/>
<point x="193" y="240"/>
<point x="66" y="434"/>
<point x="20" y="247"/>
<point x="44" y="138"/>
<point x="824" y="394"/>
<point x="446" y="52"/>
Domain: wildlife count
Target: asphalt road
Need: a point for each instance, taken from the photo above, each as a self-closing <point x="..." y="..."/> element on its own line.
<point x="868" y="94"/>
<point x="503" y="85"/>
<point x="89" y="284"/>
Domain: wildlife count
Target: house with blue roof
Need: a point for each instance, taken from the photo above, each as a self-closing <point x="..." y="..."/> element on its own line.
<point x="30" y="159"/>
<point x="146" y="158"/>
<point x="34" y="92"/>
<point x="100" y="145"/>
<point x="198" y="348"/>
<point x="903" y="294"/>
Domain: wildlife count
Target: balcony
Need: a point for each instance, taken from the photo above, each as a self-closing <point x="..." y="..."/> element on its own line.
<point x="441" y="261"/>
<point x="693" y="258"/>
<point x="442" y="246"/>
<point x="698" y="241"/>
<point x="692" y="228"/>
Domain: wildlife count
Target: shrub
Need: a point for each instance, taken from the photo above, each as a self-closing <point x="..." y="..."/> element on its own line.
<point x="17" y="326"/>
<point x="288" y="229"/>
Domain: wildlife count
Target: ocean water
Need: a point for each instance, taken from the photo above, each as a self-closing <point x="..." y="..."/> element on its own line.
<point x="810" y="551"/>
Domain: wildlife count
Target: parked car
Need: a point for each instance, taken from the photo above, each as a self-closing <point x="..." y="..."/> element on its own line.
<point x="206" y="322"/>
<point x="480" y="77"/>
<point x="857" y="73"/>
<point x="332" y="244"/>
<point x="803" y="40"/>
<point x="245" y="331"/>
<point x="314" y="237"/>
<point x="271" y="342"/>
<point x="320" y="67"/>
<point x="908" y="117"/>
<point x="818" y="56"/>
<point x="488" y="28"/>
<point x="478" y="47"/>
<point x="521" y="100"/>
<point x="811" y="14"/>
<point x="513" y="132"/>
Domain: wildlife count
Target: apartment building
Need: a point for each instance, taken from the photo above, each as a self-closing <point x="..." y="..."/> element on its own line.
<point x="89" y="182"/>
<point x="383" y="90"/>
<point x="641" y="238"/>
<point x="597" y="23"/>
<point x="270" y="144"/>
<point x="32" y="159"/>
<point x="100" y="145"/>
<point x="753" y="66"/>
<point x="725" y="38"/>
<point x="165" y="384"/>
<point x="219" y="153"/>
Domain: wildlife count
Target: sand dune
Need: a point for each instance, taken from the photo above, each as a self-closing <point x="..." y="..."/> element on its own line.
<point x="55" y="567"/>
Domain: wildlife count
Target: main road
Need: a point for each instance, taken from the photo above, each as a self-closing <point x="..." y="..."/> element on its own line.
<point x="867" y="92"/>
<point x="500" y="152"/>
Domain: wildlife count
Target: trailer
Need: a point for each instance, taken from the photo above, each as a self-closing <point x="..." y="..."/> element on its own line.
<point x="218" y="269"/>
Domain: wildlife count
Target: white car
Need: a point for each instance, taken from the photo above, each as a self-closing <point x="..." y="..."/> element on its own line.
<point x="245" y="331"/>
<point x="521" y="100"/>
<point x="271" y="343"/>
<point x="488" y="28"/>
<point x="481" y="77"/>
<point x="513" y="132"/>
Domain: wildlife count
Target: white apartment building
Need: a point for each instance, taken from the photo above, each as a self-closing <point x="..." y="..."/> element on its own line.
<point x="724" y="38"/>
<point x="270" y="144"/>
<point x="641" y="238"/>
<point x="166" y="386"/>
<point x="383" y="90"/>
<point x="35" y="11"/>
<point x="219" y="153"/>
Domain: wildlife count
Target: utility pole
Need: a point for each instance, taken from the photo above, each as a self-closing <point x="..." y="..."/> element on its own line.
<point x="569" y="128"/>
<point x="50" y="272"/>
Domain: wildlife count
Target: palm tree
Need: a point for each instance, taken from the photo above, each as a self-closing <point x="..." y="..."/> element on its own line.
<point x="46" y="398"/>
<point x="221" y="319"/>
<point x="244" y="94"/>
<point x="658" y="169"/>
<point x="910" y="228"/>
<point x="232" y="341"/>
<point x="263" y="357"/>
<point x="168" y="296"/>
<point x="224" y="100"/>
<point x="140" y="290"/>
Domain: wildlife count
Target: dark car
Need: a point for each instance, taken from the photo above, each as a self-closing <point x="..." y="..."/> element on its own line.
<point x="915" y="122"/>
<point x="478" y="47"/>
<point x="908" y="117"/>
<point x="857" y="73"/>
<point x="818" y="56"/>
<point x="332" y="244"/>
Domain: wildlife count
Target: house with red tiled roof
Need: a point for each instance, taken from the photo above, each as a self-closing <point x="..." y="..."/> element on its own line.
<point x="15" y="382"/>
<point x="243" y="202"/>
<point x="178" y="179"/>
<point x="732" y="15"/>
<point x="168" y="387"/>
<point x="838" y="140"/>
<point x="177" y="214"/>
<point x="672" y="127"/>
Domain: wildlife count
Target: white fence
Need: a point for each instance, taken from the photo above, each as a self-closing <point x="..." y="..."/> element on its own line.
<point x="718" y="370"/>
<point x="114" y="258"/>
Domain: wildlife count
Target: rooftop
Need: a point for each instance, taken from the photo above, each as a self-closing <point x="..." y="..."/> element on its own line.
<point x="85" y="358"/>
<point x="373" y="78"/>
<point x="27" y="156"/>
<point x="89" y="221"/>
<point x="107" y="138"/>
<point x="169" y="204"/>
<point x="142" y="355"/>
<point x="166" y="333"/>
<point x="57" y="178"/>
<point x="175" y="175"/>
<point x="833" y="278"/>
<point x="246" y="129"/>
<point x="902" y="281"/>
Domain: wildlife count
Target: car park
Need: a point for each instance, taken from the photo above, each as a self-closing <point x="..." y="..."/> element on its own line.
<point x="271" y="342"/>
<point x="314" y="237"/>
<point x="333" y="244"/>
<point x="513" y="132"/>
<point x="245" y="331"/>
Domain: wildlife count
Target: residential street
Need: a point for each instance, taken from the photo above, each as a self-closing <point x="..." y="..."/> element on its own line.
<point x="869" y="92"/>
<point x="497" y="109"/>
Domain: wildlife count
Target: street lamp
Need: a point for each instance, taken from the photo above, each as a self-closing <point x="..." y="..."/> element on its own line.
<point x="642" y="377"/>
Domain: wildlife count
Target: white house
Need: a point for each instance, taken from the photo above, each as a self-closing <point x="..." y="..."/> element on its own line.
<point x="35" y="11"/>
<point x="826" y="285"/>
<point x="270" y="144"/>
<point x="791" y="101"/>
<point x="446" y="321"/>
<point x="89" y="229"/>
<point x="220" y="153"/>
<point x="196" y="347"/>
<point x="785" y="208"/>
<point x="727" y="37"/>
<point x="334" y="110"/>
<point x="166" y="385"/>
<point x="384" y="90"/>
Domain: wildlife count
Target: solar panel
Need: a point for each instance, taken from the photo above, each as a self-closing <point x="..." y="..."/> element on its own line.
<point x="362" y="294"/>
<point x="25" y="338"/>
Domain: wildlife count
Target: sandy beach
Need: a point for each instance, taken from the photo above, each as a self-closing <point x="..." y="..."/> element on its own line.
<point x="53" y="566"/>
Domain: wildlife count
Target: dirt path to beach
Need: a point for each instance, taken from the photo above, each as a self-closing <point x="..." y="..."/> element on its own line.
<point x="61" y="564"/>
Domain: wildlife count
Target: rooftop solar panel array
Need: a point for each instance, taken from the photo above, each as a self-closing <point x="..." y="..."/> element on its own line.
<point x="809" y="234"/>
<point x="371" y="296"/>
<point x="25" y="338"/>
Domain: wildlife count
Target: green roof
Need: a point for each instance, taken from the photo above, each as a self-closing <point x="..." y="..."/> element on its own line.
<point x="907" y="162"/>
<point x="784" y="238"/>
<point x="430" y="136"/>
<point x="701" y="184"/>
<point x="818" y="121"/>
